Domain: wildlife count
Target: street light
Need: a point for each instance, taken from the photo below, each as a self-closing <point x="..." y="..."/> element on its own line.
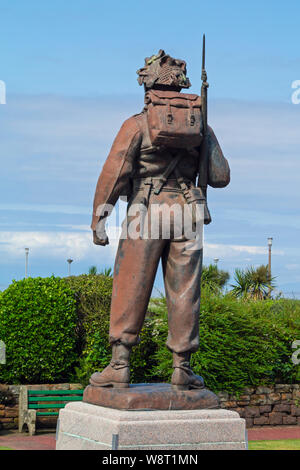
<point x="69" y="262"/>
<point x="26" y="262"/>
<point x="216" y="260"/>
<point x="270" y="242"/>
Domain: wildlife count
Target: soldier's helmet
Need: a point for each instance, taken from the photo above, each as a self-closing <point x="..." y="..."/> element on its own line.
<point x="163" y="71"/>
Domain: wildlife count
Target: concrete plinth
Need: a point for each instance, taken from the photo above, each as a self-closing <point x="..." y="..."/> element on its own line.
<point x="83" y="426"/>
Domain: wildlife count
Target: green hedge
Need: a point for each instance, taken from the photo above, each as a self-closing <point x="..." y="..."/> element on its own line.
<point x="93" y="296"/>
<point x="37" y="324"/>
<point x="242" y="343"/>
<point x="57" y="329"/>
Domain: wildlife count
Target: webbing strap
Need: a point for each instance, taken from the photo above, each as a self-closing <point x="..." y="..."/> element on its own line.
<point x="163" y="179"/>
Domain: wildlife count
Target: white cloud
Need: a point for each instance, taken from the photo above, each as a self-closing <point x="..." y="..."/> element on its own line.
<point x="46" y="208"/>
<point x="77" y="245"/>
<point x="232" y="251"/>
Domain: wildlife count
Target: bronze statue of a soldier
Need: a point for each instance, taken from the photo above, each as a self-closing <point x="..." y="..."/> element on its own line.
<point x="165" y="155"/>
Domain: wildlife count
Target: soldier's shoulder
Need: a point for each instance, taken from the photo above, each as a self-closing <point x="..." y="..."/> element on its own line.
<point x="135" y="121"/>
<point x="139" y="117"/>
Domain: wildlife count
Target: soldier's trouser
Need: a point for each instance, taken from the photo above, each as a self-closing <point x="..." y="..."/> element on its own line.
<point x="134" y="274"/>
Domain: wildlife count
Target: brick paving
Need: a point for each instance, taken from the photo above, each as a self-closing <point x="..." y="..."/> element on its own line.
<point x="22" y="441"/>
<point x="268" y="433"/>
<point x="46" y="440"/>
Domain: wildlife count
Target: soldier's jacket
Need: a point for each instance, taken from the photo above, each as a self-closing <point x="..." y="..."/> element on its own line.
<point x="132" y="156"/>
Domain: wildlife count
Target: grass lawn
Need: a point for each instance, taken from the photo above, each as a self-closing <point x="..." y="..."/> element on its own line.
<point x="284" y="444"/>
<point x="5" y="448"/>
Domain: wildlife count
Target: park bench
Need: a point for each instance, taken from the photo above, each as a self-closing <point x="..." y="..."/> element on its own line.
<point x="33" y="403"/>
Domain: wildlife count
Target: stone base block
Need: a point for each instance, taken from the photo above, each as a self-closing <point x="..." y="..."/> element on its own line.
<point x="83" y="426"/>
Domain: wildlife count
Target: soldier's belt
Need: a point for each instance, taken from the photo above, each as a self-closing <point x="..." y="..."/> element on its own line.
<point x="152" y="183"/>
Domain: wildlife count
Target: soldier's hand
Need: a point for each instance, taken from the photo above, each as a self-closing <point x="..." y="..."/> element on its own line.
<point x="99" y="235"/>
<point x="100" y="241"/>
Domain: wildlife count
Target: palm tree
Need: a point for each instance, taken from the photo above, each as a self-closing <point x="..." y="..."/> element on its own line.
<point x="214" y="276"/>
<point x="262" y="285"/>
<point x="107" y="272"/>
<point x="93" y="270"/>
<point x="252" y="283"/>
<point x="242" y="283"/>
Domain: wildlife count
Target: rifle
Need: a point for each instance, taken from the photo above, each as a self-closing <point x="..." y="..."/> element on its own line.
<point x="203" y="163"/>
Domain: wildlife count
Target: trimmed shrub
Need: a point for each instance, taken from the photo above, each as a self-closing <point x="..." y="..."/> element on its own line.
<point x="37" y="324"/>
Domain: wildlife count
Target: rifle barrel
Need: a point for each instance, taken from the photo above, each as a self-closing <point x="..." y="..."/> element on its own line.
<point x="203" y="53"/>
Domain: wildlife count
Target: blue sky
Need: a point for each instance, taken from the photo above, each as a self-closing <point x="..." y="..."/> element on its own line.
<point x="70" y="72"/>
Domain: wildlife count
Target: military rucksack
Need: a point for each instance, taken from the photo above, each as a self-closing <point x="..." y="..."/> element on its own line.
<point x="174" y="119"/>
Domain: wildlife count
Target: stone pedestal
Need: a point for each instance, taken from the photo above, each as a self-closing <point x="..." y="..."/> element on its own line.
<point x="83" y="426"/>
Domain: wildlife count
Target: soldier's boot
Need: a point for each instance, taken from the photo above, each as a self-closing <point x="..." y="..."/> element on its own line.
<point x="183" y="377"/>
<point x="117" y="373"/>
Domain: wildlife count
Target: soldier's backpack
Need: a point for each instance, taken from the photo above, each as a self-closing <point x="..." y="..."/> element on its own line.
<point x="174" y="119"/>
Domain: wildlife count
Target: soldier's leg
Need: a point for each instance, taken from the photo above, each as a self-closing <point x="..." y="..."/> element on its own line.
<point x="134" y="273"/>
<point x="182" y="276"/>
<point x="182" y="267"/>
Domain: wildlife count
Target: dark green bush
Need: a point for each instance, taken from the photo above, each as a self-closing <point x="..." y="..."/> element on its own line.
<point x="241" y="343"/>
<point x="93" y="297"/>
<point x="37" y="324"/>
<point x="57" y="329"/>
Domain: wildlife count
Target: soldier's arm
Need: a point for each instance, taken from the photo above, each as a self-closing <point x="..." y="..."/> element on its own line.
<point x="114" y="180"/>
<point x="218" y="167"/>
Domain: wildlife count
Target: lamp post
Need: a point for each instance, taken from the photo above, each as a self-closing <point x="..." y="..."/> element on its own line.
<point x="216" y="260"/>
<point x="26" y="262"/>
<point x="69" y="262"/>
<point x="270" y="241"/>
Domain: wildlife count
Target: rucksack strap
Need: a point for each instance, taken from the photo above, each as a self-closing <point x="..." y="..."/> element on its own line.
<point x="164" y="177"/>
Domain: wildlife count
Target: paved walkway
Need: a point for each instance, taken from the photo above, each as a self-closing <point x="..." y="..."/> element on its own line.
<point x="268" y="433"/>
<point x="46" y="441"/>
<point x="22" y="441"/>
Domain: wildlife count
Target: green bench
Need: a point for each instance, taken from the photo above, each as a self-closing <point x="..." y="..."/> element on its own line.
<point x="33" y="403"/>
